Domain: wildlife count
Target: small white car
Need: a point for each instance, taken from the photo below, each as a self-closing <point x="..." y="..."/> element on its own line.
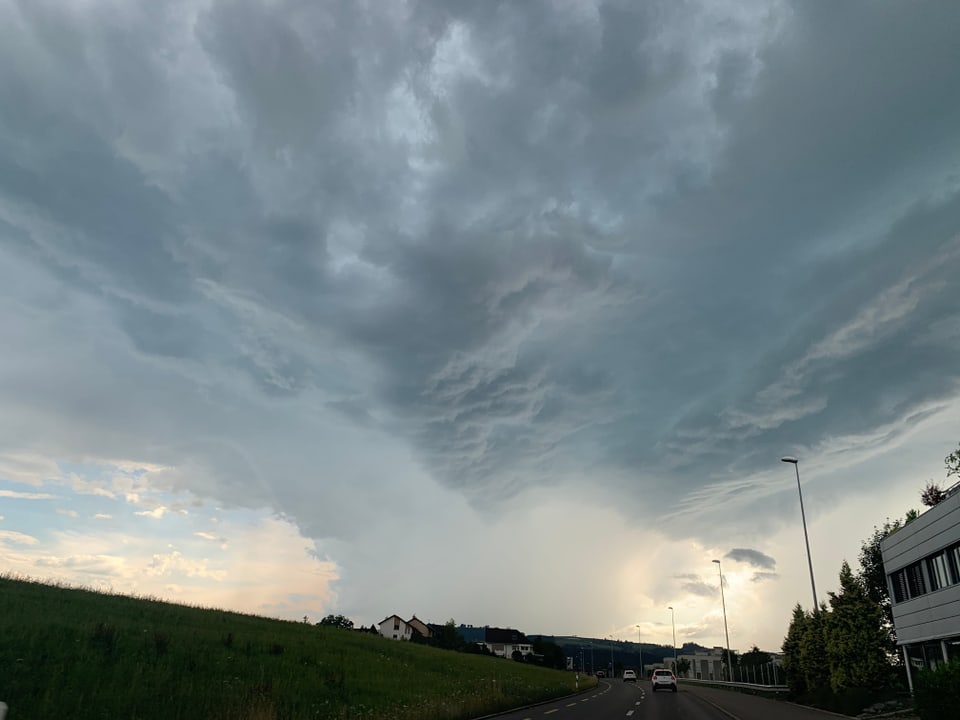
<point x="629" y="675"/>
<point x="663" y="679"/>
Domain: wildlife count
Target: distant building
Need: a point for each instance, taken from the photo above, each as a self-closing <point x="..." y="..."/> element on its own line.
<point x="394" y="626"/>
<point x="498" y="641"/>
<point x="503" y="642"/>
<point x="706" y="665"/>
<point x="922" y="563"/>
<point x="425" y="629"/>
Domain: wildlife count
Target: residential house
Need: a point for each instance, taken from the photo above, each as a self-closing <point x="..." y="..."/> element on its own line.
<point x="394" y="626"/>
<point x="503" y="642"/>
<point x="425" y="629"/>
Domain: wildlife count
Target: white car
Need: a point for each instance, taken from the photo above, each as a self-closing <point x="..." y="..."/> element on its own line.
<point x="629" y="675"/>
<point x="663" y="679"/>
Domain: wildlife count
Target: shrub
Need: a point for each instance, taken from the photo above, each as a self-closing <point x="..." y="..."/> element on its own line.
<point x="937" y="692"/>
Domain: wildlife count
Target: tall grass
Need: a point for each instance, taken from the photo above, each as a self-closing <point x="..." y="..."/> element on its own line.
<point x="83" y="654"/>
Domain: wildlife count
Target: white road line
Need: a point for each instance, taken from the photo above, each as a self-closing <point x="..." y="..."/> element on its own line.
<point x="629" y="713"/>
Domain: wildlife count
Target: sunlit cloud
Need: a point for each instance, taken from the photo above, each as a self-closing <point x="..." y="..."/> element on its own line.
<point x="17" y="495"/>
<point x="11" y="536"/>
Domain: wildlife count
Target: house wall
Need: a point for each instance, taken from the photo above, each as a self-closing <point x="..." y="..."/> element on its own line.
<point x="395" y="628"/>
<point x="419" y="626"/>
<point x="935" y="614"/>
<point x="506" y="649"/>
<point x="702" y="666"/>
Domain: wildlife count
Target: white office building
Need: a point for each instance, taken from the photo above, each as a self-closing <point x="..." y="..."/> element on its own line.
<point x="922" y="563"/>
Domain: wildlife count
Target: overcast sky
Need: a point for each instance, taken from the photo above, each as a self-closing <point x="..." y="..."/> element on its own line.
<point x="500" y="312"/>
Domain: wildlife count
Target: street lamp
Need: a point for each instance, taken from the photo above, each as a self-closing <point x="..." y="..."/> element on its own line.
<point x="803" y="517"/>
<point x="674" y="625"/>
<point x="641" y="652"/>
<point x="613" y="667"/>
<point x="726" y="634"/>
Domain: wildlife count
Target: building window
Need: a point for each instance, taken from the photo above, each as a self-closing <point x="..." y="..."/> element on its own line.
<point x="899" y="582"/>
<point x="396" y="626"/>
<point x="953" y="560"/>
<point x="940" y="572"/>
<point x="915" y="581"/>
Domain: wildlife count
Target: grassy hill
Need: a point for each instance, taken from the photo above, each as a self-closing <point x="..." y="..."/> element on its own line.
<point x="79" y="654"/>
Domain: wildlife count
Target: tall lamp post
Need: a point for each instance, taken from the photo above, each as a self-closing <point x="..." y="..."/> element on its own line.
<point x="674" y="626"/>
<point x="613" y="667"/>
<point x="725" y="633"/>
<point x="796" y="466"/>
<point x="641" y="652"/>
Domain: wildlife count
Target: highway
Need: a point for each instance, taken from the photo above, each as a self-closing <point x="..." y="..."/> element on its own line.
<point x="616" y="700"/>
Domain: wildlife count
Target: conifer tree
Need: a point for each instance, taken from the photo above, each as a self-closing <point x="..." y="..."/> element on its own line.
<point x="857" y="647"/>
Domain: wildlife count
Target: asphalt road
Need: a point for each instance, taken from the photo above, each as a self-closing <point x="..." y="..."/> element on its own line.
<point x="616" y="700"/>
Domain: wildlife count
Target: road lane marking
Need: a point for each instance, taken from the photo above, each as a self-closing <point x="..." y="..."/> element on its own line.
<point x="571" y="704"/>
<point x="629" y="713"/>
<point x="552" y="711"/>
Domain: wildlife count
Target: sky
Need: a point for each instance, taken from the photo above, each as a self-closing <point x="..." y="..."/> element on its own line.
<point x="496" y="312"/>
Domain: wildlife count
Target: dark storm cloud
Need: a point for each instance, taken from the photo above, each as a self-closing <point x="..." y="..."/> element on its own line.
<point x="755" y="558"/>
<point x="539" y="243"/>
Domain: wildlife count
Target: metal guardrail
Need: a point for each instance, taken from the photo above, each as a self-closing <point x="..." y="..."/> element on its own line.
<point x="728" y="683"/>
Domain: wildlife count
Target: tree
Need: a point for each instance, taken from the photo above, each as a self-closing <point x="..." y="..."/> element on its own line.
<point x="932" y="494"/>
<point x="449" y="637"/>
<point x="814" y="663"/>
<point x="937" y="692"/>
<point x="553" y="655"/>
<point x="952" y="461"/>
<point x="857" y="645"/>
<point x="683" y="667"/>
<point x="792" y="666"/>
<point x="734" y="661"/>
<point x="338" y="621"/>
<point x="872" y="574"/>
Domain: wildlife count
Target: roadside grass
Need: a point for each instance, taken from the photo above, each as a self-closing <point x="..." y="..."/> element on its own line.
<point x="84" y="654"/>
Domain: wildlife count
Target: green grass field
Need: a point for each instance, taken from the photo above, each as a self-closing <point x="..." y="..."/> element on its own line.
<point x="79" y="654"/>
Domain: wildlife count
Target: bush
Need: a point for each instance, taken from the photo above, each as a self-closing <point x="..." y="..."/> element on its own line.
<point x="937" y="692"/>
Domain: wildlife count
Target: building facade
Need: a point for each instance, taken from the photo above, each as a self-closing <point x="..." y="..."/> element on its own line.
<point x="395" y="627"/>
<point x="922" y="563"/>
<point x="707" y="665"/>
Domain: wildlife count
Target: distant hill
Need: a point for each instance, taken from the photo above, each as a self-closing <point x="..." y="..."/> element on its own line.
<point x="595" y="653"/>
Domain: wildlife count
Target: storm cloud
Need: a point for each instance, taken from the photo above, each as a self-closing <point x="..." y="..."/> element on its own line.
<point x="347" y="263"/>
